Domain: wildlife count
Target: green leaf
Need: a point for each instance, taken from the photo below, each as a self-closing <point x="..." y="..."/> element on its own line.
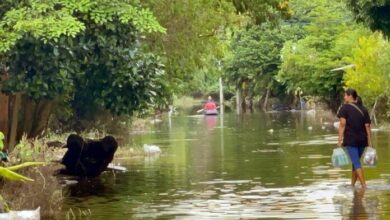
<point x="10" y="175"/>
<point x="26" y="164"/>
<point x="1" y="141"/>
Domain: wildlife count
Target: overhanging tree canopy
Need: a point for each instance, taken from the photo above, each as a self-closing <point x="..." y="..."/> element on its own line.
<point x="84" y="51"/>
<point x="374" y="13"/>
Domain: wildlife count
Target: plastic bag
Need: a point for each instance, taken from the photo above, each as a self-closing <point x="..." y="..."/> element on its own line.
<point x="339" y="157"/>
<point x="370" y="158"/>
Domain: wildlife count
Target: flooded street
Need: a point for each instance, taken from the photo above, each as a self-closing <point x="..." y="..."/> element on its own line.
<point x="274" y="165"/>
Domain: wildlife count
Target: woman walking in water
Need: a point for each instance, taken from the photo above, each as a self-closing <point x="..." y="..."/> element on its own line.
<point x="354" y="132"/>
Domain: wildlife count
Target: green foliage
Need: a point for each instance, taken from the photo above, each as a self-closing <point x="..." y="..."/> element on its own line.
<point x="198" y="35"/>
<point x="25" y="150"/>
<point x="39" y="69"/>
<point x="4" y="203"/>
<point x="117" y="76"/>
<point x="373" y="13"/>
<point x="256" y="56"/>
<point x="86" y="53"/>
<point x="301" y="52"/>
<point x="263" y="10"/>
<point x="24" y="165"/>
<point x="9" y="174"/>
<point x="370" y="76"/>
<point x="1" y="141"/>
<point x="194" y="41"/>
<point x="50" y="19"/>
<point x="307" y="63"/>
<point x="3" y="155"/>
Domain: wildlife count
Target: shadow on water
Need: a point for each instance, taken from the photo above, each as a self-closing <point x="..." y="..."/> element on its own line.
<point x="274" y="165"/>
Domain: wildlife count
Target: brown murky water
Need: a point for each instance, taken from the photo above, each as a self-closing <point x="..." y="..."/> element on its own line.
<point x="252" y="166"/>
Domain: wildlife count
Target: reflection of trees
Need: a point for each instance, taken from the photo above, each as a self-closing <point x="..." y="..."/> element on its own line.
<point x="203" y="154"/>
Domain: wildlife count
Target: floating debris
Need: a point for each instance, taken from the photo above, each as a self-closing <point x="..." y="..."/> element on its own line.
<point x="375" y="129"/>
<point x="314" y="156"/>
<point x="225" y="182"/>
<point x="151" y="149"/>
<point x="114" y="167"/>
<point x="71" y="182"/>
<point x="278" y="150"/>
<point x="22" y="215"/>
<point x="311" y="112"/>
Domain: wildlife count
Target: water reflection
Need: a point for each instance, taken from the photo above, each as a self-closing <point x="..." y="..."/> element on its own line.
<point x="211" y="121"/>
<point x="91" y="187"/>
<point x="223" y="199"/>
<point x="358" y="210"/>
<point x="361" y="203"/>
<point x="233" y="167"/>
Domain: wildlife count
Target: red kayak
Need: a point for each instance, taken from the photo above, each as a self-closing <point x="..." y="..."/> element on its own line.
<point x="211" y="112"/>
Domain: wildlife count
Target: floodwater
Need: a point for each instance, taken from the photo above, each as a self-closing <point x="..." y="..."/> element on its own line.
<point x="271" y="166"/>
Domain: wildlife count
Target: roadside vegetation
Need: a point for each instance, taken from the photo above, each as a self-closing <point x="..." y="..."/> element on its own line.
<point x="104" y="66"/>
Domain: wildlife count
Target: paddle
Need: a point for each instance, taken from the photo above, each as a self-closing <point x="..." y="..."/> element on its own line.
<point x="201" y="110"/>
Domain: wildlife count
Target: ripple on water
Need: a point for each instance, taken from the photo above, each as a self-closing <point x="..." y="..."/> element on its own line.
<point x="333" y="199"/>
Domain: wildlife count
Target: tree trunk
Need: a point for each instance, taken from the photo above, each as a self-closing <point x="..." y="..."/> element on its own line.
<point x="266" y="100"/>
<point x="4" y="116"/>
<point x="238" y="101"/>
<point x="35" y="117"/>
<point x="244" y="94"/>
<point x="4" y="111"/>
<point x="42" y="114"/>
<point x="27" y="117"/>
<point x="373" y="112"/>
<point x="14" y="122"/>
<point x="31" y="120"/>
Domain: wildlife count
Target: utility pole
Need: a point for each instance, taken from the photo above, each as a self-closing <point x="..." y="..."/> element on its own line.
<point x="221" y="100"/>
<point x="221" y="95"/>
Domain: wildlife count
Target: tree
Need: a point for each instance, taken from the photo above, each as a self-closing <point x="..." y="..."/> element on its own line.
<point x="375" y="14"/>
<point x="370" y="76"/>
<point x="307" y="63"/>
<point x="50" y="19"/>
<point x="263" y="10"/>
<point x="198" y="34"/>
<point x="193" y="43"/>
<point x="255" y="58"/>
<point x="52" y="46"/>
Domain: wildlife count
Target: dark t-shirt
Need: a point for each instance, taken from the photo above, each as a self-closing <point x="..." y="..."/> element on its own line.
<point x="355" y="131"/>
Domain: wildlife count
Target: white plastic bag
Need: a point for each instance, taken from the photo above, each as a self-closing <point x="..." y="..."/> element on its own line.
<point x="151" y="149"/>
<point x="339" y="157"/>
<point x="370" y="158"/>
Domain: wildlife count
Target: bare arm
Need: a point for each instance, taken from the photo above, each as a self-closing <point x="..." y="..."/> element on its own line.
<point x="343" y="122"/>
<point x="368" y="130"/>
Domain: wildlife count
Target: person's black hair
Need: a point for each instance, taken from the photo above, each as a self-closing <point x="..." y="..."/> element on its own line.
<point x="351" y="92"/>
<point x="359" y="100"/>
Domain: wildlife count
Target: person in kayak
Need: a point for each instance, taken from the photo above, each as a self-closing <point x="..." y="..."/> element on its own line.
<point x="210" y="104"/>
<point x="354" y="132"/>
